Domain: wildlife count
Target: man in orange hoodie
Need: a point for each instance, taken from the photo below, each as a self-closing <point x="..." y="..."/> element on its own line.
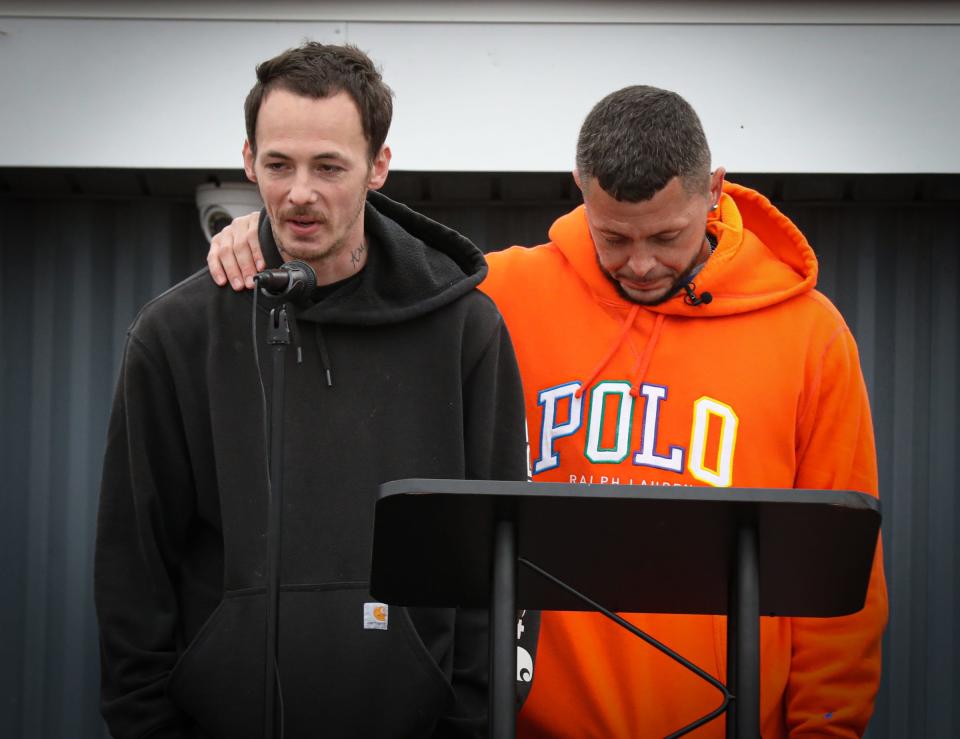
<point x="670" y="333"/>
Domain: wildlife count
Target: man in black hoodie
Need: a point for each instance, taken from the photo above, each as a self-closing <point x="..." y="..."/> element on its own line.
<point x="399" y="369"/>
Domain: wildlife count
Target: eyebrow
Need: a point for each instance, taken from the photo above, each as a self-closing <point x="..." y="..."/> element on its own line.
<point x="271" y="154"/>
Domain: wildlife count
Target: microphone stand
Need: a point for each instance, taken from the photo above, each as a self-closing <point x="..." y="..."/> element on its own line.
<point x="278" y="337"/>
<point x="295" y="281"/>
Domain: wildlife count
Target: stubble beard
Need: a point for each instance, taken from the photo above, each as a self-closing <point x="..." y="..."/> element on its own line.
<point x="311" y="254"/>
<point x="671" y="291"/>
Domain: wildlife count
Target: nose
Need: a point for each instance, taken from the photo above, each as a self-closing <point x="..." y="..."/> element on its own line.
<point x="641" y="260"/>
<point x="302" y="191"/>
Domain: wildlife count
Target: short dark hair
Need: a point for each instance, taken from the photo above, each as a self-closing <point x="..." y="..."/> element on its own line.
<point x="320" y="70"/>
<point x="637" y="139"/>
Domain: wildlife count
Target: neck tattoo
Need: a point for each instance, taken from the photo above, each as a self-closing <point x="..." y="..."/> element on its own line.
<point x="356" y="254"/>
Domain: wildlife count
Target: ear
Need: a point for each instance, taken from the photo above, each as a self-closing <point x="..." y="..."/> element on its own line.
<point x="248" y="162"/>
<point x="379" y="169"/>
<point x="716" y="184"/>
<point x="576" y="178"/>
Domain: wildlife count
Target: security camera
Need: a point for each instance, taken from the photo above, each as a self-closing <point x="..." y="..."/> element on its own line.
<point x="219" y="204"/>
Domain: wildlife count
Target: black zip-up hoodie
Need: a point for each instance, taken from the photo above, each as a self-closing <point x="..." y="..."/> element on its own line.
<point x="407" y="371"/>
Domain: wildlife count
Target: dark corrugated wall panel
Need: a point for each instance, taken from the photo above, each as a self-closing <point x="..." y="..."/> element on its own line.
<point x="73" y="275"/>
<point x="75" y="271"/>
<point x="893" y="272"/>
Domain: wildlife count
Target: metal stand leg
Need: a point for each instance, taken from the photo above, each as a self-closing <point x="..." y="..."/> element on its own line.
<point x="743" y="638"/>
<point x="503" y="624"/>
<point x="278" y="336"/>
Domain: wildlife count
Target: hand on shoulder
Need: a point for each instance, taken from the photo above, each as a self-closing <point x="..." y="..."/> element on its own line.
<point x="235" y="254"/>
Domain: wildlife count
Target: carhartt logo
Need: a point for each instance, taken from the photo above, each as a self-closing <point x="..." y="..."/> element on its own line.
<point x="375" y="615"/>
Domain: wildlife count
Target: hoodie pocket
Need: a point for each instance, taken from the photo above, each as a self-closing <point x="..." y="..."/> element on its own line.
<point x="338" y="678"/>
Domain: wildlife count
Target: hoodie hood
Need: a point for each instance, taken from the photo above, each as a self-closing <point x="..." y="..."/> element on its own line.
<point x="750" y="269"/>
<point x="415" y="265"/>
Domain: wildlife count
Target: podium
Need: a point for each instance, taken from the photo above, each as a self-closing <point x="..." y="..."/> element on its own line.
<point x="743" y="552"/>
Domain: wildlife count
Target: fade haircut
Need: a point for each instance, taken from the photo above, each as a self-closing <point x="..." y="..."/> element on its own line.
<point x="637" y="139"/>
<point x="318" y="71"/>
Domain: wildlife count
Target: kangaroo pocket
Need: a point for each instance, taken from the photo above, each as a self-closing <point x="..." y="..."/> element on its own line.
<point x="338" y="678"/>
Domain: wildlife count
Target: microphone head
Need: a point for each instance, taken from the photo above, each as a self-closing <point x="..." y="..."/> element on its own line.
<point x="303" y="281"/>
<point x="301" y="271"/>
<point x="294" y="281"/>
<point x="706" y="298"/>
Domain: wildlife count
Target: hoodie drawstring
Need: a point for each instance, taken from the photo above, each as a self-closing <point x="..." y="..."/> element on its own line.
<point x="627" y="324"/>
<point x="324" y="355"/>
<point x="640" y="369"/>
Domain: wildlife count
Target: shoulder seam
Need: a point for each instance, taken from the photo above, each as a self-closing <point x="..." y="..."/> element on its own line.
<point x="153" y="361"/>
<point x="488" y="342"/>
<point x="840" y="330"/>
<point x="205" y="272"/>
<point x="826" y="305"/>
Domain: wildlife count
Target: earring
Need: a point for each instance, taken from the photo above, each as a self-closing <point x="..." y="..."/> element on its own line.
<point x="714" y="206"/>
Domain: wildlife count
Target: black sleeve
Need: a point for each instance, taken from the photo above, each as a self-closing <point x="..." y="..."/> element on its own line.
<point x="146" y="503"/>
<point x="496" y="449"/>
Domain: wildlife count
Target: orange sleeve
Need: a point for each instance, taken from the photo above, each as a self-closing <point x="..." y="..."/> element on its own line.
<point x="835" y="663"/>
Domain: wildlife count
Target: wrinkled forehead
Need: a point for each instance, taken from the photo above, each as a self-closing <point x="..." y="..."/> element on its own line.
<point x="670" y="209"/>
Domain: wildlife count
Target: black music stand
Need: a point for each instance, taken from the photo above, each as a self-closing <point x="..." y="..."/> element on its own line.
<point x="631" y="548"/>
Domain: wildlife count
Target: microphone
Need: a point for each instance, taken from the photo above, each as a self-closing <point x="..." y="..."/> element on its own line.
<point x="294" y="280"/>
<point x="691" y="297"/>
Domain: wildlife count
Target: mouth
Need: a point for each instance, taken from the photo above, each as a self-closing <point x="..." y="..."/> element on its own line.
<point x="643" y="286"/>
<point x="303" y="225"/>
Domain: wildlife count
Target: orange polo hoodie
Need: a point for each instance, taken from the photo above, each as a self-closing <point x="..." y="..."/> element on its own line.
<point x="759" y="388"/>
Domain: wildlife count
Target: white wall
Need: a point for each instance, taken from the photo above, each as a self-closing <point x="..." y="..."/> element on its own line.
<point x="775" y="94"/>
